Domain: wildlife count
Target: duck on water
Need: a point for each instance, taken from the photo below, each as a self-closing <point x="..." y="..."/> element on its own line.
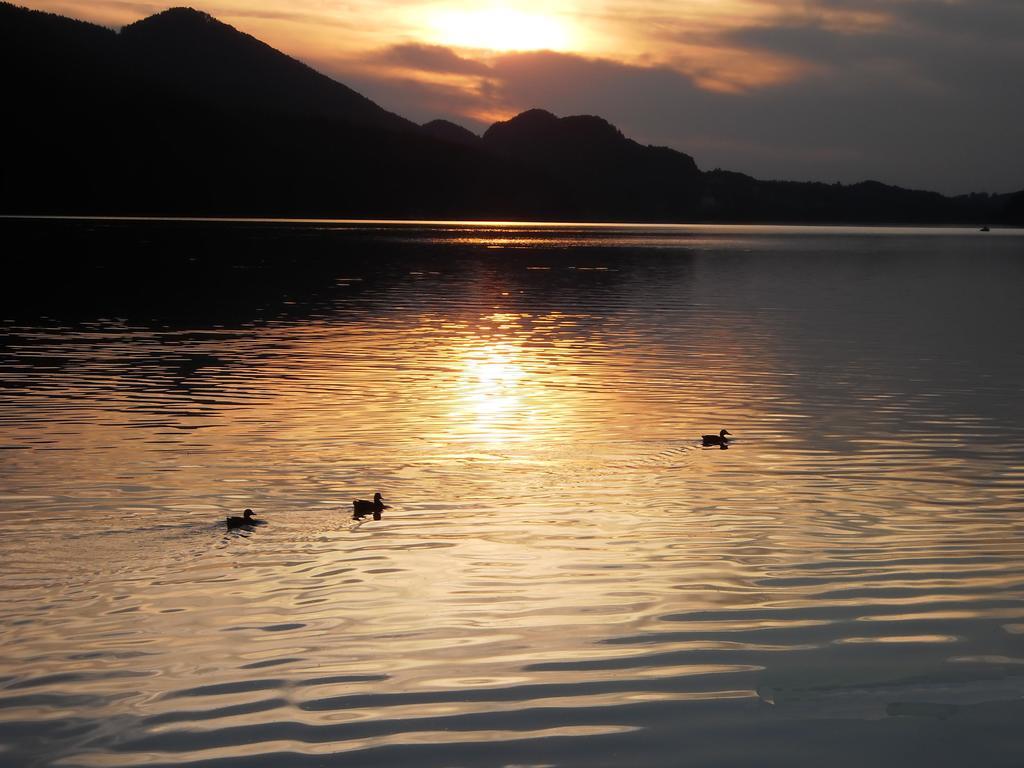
<point x="361" y="507"/>
<point x="247" y="519"/>
<point x="719" y="439"/>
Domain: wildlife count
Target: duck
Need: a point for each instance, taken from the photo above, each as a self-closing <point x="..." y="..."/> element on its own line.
<point x="247" y="519"/>
<point x="719" y="439"/>
<point x="361" y="507"/>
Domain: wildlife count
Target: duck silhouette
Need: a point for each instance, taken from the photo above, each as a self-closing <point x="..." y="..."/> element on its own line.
<point x="361" y="507"/>
<point x="719" y="439"/>
<point x="247" y="519"/>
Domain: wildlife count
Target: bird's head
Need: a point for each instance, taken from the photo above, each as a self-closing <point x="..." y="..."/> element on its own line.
<point x="723" y="433"/>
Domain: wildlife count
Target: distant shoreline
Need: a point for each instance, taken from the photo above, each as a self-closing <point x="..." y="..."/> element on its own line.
<point x="471" y="223"/>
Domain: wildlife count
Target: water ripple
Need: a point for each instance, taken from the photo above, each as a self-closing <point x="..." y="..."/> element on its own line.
<point x="566" y="575"/>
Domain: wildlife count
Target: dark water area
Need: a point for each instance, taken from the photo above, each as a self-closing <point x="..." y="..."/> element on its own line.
<point x="566" y="576"/>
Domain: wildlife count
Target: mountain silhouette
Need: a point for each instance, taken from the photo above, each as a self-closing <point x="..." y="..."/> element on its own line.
<point x="181" y="114"/>
<point x="606" y="174"/>
<point x="580" y="142"/>
<point x="191" y="53"/>
<point x="98" y="122"/>
<point x="445" y="130"/>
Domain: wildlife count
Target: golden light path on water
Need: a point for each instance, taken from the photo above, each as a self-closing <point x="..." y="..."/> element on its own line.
<point x="565" y="576"/>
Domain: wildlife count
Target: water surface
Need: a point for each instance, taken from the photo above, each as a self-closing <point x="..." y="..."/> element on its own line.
<point x="566" y="577"/>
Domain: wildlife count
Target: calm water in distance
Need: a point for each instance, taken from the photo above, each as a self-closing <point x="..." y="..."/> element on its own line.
<point x="566" y="577"/>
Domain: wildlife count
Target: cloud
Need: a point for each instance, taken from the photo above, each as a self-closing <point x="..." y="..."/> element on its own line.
<point x="431" y="58"/>
<point x="117" y="13"/>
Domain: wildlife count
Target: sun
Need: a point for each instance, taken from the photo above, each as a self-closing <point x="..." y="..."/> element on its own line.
<point x="499" y="29"/>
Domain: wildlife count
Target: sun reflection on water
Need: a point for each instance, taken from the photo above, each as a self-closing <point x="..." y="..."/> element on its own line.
<point x="490" y="403"/>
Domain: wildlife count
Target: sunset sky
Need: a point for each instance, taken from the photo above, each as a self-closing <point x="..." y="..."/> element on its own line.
<point x="920" y="93"/>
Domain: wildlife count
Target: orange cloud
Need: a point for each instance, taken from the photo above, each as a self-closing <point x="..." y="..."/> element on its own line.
<point x="692" y="37"/>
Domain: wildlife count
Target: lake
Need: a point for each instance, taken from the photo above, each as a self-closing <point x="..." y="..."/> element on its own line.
<point x="566" y="576"/>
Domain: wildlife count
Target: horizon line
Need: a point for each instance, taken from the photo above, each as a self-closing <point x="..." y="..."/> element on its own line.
<point x="470" y="223"/>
